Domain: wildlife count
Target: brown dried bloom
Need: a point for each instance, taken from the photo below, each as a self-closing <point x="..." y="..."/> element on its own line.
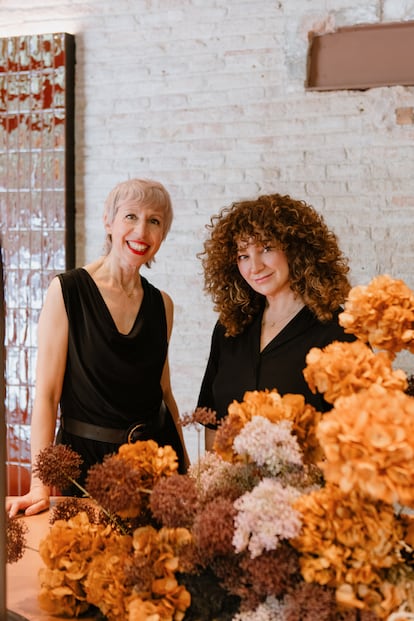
<point x="341" y="369"/>
<point x="382" y="314"/>
<point x="16" y="531"/>
<point x="57" y="465"/>
<point x="271" y="405"/>
<point x="346" y="539"/>
<point x="368" y="441"/>
<point x="116" y="487"/>
<point x="174" y="501"/>
<point x="69" y="507"/>
<point x="202" y="416"/>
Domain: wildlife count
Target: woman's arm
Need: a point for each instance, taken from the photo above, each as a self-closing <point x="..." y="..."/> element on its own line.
<point x="50" y="370"/>
<point x="166" y="378"/>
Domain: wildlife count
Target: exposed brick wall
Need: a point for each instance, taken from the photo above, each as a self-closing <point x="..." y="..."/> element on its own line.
<point x="208" y="97"/>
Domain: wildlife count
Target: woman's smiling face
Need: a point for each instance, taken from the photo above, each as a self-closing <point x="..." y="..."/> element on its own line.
<point x="137" y="231"/>
<point x="264" y="266"/>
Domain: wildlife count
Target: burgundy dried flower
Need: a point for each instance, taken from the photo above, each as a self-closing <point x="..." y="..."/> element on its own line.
<point x="116" y="486"/>
<point x="309" y="601"/>
<point x="174" y="501"/>
<point x="57" y="465"/>
<point x="69" y="507"/>
<point x="213" y="529"/>
<point x="15" y="539"/>
<point x="232" y="578"/>
<point x="273" y="572"/>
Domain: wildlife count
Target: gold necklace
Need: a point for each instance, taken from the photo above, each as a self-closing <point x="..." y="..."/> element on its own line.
<point x="283" y="320"/>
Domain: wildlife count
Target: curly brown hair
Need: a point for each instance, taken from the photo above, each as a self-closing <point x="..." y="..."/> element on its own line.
<point x="317" y="268"/>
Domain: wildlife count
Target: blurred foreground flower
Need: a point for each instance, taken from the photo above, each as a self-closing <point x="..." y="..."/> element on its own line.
<point x="382" y="314"/>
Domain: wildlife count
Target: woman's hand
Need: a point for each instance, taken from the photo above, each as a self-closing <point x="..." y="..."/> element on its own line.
<point x="33" y="502"/>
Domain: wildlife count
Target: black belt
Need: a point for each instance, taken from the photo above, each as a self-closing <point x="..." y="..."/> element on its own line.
<point x="137" y="431"/>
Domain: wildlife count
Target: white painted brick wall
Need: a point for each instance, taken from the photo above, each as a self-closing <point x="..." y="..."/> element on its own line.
<point x="208" y="97"/>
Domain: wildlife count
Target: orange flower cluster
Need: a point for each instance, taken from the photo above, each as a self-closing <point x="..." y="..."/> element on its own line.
<point x="368" y="441"/>
<point x="382" y="314"/>
<point x="271" y="405"/>
<point x="67" y="552"/>
<point x="341" y="369"/>
<point x="152" y="460"/>
<point x="167" y="600"/>
<point x="92" y="564"/>
<point x="347" y="542"/>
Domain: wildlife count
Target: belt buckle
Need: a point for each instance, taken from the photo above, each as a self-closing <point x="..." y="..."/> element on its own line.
<point x="132" y="430"/>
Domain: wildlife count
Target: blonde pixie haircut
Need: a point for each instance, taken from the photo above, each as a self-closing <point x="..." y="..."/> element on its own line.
<point x="143" y="191"/>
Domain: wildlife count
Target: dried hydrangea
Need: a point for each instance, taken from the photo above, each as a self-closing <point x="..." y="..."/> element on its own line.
<point x="342" y="369"/>
<point x="162" y="595"/>
<point x="67" y="551"/>
<point x="268" y="444"/>
<point x="346" y="539"/>
<point x="368" y="440"/>
<point x="57" y="465"/>
<point x="265" y="517"/>
<point x="382" y="314"/>
<point x="150" y="459"/>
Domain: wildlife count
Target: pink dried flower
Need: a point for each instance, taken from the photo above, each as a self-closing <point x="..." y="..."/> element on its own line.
<point x="265" y="516"/>
<point x="268" y="444"/>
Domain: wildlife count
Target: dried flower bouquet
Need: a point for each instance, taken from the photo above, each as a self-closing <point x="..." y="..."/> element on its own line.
<point x="295" y="516"/>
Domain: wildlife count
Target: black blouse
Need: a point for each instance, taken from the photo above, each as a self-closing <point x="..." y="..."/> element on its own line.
<point x="237" y="365"/>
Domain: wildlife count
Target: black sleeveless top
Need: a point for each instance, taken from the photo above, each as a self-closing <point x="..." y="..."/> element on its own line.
<point x="111" y="379"/>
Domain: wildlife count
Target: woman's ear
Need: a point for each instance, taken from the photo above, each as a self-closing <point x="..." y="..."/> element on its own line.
<point x="107" y="225"/>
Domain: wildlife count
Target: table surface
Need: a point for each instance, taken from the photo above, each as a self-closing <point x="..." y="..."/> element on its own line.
<point x="22" y="579"/>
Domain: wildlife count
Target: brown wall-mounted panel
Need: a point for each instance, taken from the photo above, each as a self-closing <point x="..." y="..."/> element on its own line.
<point x="362" y="57"/>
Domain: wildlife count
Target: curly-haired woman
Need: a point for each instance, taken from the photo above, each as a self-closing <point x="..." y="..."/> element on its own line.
<point x="277" y="278"/>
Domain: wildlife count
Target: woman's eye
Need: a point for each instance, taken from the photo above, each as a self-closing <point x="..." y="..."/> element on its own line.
<point x="155" y="221"/>
<point x="130" y="216"/>
<point x="241" y="257"/>
<point x="267" y="248"/>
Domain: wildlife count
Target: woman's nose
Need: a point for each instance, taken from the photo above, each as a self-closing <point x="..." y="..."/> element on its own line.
<point x="256" y="263"/>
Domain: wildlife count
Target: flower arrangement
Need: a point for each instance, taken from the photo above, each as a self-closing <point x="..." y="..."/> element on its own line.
<point x="295" y="516"/>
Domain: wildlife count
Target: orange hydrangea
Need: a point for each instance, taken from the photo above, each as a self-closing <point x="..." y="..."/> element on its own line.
<point x="346" y="542"/>
<point x="368" y="441"/>
<point x="382" y="314"/>
<point x="166" y="598"/>
<point x="341" y="369"/>
<point x="149" y="458"/>
<point x="67" y="552"/>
